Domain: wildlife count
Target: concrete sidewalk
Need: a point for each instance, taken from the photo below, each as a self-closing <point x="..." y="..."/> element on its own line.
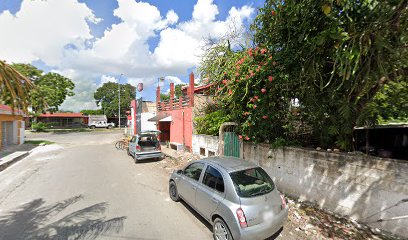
<point x="14" y="153"/>
<point x="178" y="158"/>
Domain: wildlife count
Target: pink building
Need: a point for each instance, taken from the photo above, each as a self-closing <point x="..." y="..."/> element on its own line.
<point x="175" y="116"/>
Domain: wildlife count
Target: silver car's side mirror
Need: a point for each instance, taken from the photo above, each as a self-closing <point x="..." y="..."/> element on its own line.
<point x="179" y="172"/>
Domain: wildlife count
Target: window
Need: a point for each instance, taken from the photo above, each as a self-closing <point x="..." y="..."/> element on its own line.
<point x="194" y="170"/>
<point x="133" y="139"/>
<point x="252" y="182"/>
<point x="202" y="151"/>
<point x="213" y="179"/>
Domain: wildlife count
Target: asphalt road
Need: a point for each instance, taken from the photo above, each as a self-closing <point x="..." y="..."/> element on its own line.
<point x="82" y="187"/>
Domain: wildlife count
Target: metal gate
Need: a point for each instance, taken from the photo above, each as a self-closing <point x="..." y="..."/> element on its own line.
<point x="7" y="133"/>
<point x="231" y="142"/>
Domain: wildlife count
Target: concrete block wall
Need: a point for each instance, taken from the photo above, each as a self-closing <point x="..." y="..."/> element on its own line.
<point x="368" y="189"/>
<point x="206" y="142"/>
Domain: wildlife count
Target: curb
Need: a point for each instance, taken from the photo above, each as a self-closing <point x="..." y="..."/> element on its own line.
<point x="9" y="162"/>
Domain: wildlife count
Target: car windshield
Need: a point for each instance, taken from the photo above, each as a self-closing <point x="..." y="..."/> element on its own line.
<point x="252" y="182"/>
<point x="146" y="140"/>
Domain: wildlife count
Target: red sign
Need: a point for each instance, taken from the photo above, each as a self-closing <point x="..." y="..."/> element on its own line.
<point x="140" y="87"/>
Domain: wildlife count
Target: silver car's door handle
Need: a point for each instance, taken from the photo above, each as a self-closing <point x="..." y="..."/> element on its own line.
<point x="214" y="200"/>
<point x="194" y="188"/>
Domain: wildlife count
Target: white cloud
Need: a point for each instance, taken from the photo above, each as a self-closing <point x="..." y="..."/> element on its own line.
<point x="41" y="30"/>
<point x="181" y="47"/>
<point x="85" y="87"/>
<point x="173" y="79"/>
<point x="105" y="79"/>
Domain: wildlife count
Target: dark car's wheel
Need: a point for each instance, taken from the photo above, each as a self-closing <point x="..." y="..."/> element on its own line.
<point x="221" y="231"/>
<point x="173" y="192"/>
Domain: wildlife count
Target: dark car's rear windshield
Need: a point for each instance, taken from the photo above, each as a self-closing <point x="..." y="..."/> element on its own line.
<point x="252" y="182"/>
<point x="146" y="140"/>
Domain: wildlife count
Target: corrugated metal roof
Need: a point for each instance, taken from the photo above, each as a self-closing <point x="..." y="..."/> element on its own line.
<point x="63" y="115"/>
<point x="5" y="109"/>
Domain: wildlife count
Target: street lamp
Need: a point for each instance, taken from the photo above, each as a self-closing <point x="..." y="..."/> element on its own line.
<point x="119" y="97"/>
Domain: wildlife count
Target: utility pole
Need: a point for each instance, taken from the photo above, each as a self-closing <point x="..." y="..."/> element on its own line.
<point x="119" y="97"/>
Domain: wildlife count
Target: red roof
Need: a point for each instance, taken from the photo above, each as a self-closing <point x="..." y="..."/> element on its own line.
<point x="204" y="87"/>
<point x="198" y="88"/>
<point x="7" y="109"/>
<point x="63" y="115"/>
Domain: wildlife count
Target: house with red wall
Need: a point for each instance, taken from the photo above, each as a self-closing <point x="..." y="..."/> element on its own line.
<point x="175" y="116"/>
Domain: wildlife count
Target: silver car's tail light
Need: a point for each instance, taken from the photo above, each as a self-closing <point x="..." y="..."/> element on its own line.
<point x="241" y="218"/>
<point x="138" y="147"/>
<point x="283" y="206"/>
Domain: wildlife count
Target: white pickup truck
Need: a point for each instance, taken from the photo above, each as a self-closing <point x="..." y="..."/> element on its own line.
<point x="99" y="121"/>
<point x="100" y="124"/>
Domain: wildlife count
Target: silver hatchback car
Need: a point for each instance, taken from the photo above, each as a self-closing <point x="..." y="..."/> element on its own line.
<point x="144" y="146"/>
<point x="236" y="196"/>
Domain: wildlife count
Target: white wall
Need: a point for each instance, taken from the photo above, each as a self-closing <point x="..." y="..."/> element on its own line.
<point x="363" y="187"/>
<point x="208" y="143"/>
<point x="146" y="125"/>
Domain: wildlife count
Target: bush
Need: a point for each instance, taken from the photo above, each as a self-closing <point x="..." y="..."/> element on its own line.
<point x="39" y="127"/>
<point x="210" y="123"/>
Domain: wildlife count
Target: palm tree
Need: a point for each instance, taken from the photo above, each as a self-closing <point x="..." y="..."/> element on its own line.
<point x="14" y="87"/>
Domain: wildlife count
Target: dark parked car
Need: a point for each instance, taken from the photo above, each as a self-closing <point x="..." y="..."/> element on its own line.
<point x="237" y="197"/>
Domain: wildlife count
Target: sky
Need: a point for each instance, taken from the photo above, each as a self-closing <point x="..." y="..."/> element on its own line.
<point x="97" y="41"/>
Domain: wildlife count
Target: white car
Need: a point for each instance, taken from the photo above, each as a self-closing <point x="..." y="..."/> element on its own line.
<point x="100" y="124"/>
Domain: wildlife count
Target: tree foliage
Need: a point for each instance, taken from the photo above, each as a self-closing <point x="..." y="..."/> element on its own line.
<point x="316" y="65"/>
<point x="107" y="97"/>
<point x="210" y="123"/>
<point x="177" y="90"/>
<point x="51" y="88"/>
<point x="164" y="96"/>
<point x="92" y="112"/>
<point x="14" y="87"/>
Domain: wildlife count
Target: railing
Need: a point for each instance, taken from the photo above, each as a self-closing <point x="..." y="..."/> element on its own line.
<point x="175" y="103"/>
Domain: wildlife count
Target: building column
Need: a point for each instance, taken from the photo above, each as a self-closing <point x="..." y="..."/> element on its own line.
<point x="157" y="98"/>
<point x="190" y="90"/>
<point x="171" y="95"/>
<point x="1" y="136"/>
<point x="15" y="132"/>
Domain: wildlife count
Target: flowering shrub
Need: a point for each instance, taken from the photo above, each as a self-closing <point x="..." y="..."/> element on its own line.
<point x="250" y="88"/>
<point x="331" y="58"/>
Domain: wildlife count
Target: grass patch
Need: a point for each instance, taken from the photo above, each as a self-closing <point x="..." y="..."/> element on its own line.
<point x="38" y="142"/>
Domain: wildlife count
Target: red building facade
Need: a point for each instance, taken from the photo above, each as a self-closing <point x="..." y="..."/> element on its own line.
<point x="178" y="127"/>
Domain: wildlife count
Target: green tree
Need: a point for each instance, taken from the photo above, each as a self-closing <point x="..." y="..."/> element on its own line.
<point x="177" y="90"/>
<point x="51" y="88"/>
<point x="390" y="104"/>
<point x="107" y="97"/>
<point x="14" y="87"/>
<point x="92" y="112"/>
<point x="337" y="55"/>
<point x="331" y="58"/>
<point x="164" y="96"/>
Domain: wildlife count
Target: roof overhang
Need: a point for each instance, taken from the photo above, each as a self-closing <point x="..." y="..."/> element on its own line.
<point x="160" y="117"/>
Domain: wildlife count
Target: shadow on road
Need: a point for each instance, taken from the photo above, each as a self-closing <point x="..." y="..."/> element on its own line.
<point x="197" y="215"/>
<point x="31" y="221"/>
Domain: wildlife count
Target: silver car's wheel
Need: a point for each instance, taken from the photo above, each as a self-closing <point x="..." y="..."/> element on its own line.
<point x="173" y="191"/>
<point x="221" y="231"/>
<point x="128" y="152"/>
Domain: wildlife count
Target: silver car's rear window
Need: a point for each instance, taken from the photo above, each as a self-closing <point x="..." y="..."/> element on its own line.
<point x="252" y="182"/>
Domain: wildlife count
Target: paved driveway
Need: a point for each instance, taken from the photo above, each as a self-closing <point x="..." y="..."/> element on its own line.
<point x="83" y="187"/>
